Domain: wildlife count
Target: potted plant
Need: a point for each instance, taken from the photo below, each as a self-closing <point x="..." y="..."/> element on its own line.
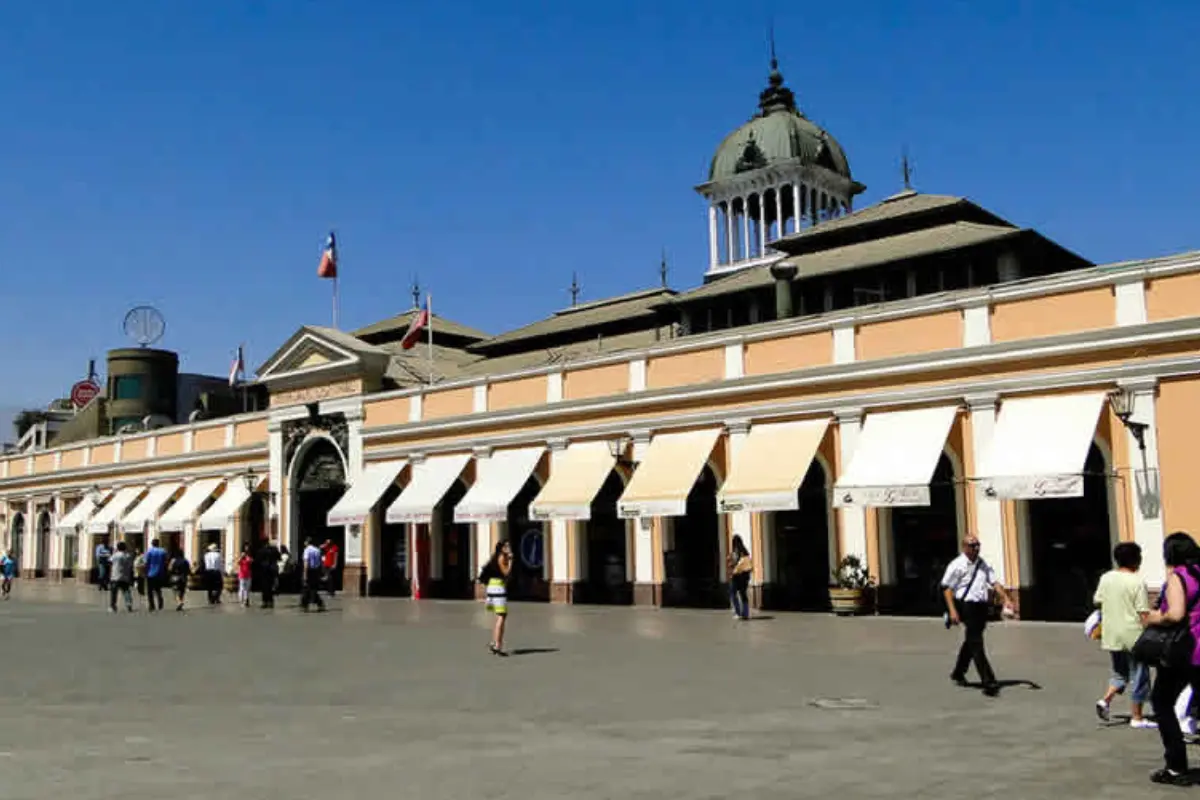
<point x="851" y="583"/>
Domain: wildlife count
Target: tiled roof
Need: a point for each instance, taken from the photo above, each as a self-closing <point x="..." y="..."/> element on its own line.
<point x="400" y="323"/>
<point x="581" y="317"/>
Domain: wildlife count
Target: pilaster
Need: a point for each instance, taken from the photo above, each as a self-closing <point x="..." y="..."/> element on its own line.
<point x="852" y="519"/>
<point x="988" y="525"/>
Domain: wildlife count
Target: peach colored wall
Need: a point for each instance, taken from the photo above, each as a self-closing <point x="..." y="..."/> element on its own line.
<point x="44" y="463"/>
<point x="518" y="393"/>
<point x="72" y="459"/>
<point x="581" y="384"/>
<point x="1054" y="314"/>
<point x="385" y="413"/>
<point x="900" y="337"/>
<point x="682" y="369"/>
<point x="448" y="403"/>
<point x="170" y="445"/>
<point x="250" y="432"/>
<point x="790" y="353"/>
<point x="1178" y="443"/>
<point x="1172" y="297"/>
<point x="1112" y="434"/>
<point x="16" y="467"/>
<point x="209" y="439"/>
<point x="102" y="454"/>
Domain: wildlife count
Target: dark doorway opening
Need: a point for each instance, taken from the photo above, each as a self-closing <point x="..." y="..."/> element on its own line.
<point x="801" y="540"/>
<point x="692" y="563"/>
<point x="391" y="580"/>
<point x="925" y="541"/>
<point x="527" y="539"/>
<point x="457" y="583"/>
<point x="1070" y="547"/>
<point x="41" y="551"/>
<point x="606" y="577"/>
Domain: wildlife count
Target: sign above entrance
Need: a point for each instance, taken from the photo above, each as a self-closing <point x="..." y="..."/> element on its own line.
<point x="84" y="392"/>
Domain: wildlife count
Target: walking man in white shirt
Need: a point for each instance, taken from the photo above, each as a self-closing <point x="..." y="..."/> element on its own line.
<point x="311" y="560"/>
<point x="213" y="574"/>
<point x="967" y="586"/>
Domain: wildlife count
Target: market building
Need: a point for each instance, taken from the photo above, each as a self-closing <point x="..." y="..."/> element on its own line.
<point x="873" y="383"/>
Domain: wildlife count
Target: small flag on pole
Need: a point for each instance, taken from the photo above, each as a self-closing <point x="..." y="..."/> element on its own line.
<point x="418" y="324"/>
<point x="329" y="265"/>
<point x="238" y="369"/>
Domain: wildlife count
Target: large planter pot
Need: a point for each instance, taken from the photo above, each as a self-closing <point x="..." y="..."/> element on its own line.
<point x="847" y="602"/>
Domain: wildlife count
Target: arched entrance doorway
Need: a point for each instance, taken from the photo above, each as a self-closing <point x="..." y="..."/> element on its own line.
<point x="800" y="545"/>
<point x="924" y="540"/>
<point x="1069" y="541"/>
<point x="456" y="581"/>
<point x="692" y="561"/>
<point x="16" y="537"/>
<point x="41" y="545"/>
<point x="604" y="545"/>
<point x="318" y="482"/>
<point x="528" y="541"/>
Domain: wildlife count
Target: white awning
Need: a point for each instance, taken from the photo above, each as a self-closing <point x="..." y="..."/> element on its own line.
<point x="1040" y="445"/>
<point x="576" y="475"/>
<point x="894" y="459"/>
<point x="226" y="507"/>
<point x="497" y="481"/>
<point x="356" y="504"/>
<point x="114" y="509"/>
<point x="82" y="511"/>
<point x="431" y="479"/>
<point x="178" y="515"/>
<point x="147" y="510"/>
<point x="770" y="466"/>
<point x="665" y="477"/>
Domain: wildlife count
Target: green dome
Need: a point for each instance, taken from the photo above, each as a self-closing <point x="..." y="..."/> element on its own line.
<point x="778" y="133"/>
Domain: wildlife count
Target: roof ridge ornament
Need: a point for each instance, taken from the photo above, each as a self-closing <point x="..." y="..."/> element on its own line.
<point x="776" y="97"/>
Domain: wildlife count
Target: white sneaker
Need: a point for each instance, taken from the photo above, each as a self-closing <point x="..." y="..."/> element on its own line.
<point x="1187" y="726"/>
<point x="1143" y="723"/>
<point x="1102" y="710"/>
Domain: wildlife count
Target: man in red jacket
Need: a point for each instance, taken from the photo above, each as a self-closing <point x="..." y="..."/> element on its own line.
<point x="329" y="565"/>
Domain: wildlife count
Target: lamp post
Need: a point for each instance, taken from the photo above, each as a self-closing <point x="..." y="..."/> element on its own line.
<point x="1122" y="400"/>
<point x="616" y="448"/>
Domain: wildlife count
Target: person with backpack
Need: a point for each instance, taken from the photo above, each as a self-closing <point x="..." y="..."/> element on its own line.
<point x="8" y="571"/>
<point x="1179" y="666"/>
<point x="180" y="570"/>
<point x="967" y="587"/>
<point x="494" y="577"/>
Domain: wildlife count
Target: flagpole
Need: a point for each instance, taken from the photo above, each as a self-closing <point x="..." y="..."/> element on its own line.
<point x="429" y="311"/>
<point x="335" y="302"/>
<point x="242" y="369"/>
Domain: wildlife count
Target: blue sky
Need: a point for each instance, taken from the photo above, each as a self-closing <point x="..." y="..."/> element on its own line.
<point x="194" y="155"/>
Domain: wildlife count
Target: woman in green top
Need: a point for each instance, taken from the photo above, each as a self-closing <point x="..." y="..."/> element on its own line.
<point x="494" y="577"/>
<point x="1124" y="605"/>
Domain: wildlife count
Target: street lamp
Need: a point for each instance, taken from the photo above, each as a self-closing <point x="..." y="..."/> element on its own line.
<point x="616" y="449"/>
<point x="251" y="480"/>
<point x="1122" y="400"/>
<point x="93" y="494"/>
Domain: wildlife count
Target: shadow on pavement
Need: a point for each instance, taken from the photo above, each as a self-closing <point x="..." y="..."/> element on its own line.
<point x="532" y="651"/>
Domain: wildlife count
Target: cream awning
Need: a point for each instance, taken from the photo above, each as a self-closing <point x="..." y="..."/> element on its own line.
<point x="1040" y="445"/>
<point x="664" y="478"/>
<point x="576" y="475"/>
<point x="82" y="511"/>
<point x="770" y="466"/>
<point x="226" y="507"/>
<point x="498" y="479"/>
<point x="895" y="457"/>
<point x="356" y="504"/>
<point x="114" y="509"/>
<point x="431" y="479"/>
<point x="147" y="510"/>
<point x="184" y="509"/>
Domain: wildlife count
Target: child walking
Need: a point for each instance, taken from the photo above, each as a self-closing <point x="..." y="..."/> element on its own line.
<point x="494" y="577"/>
<point x="1124" y="605"/>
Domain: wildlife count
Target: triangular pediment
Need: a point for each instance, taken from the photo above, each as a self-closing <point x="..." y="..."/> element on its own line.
<point x="314" y="356"/>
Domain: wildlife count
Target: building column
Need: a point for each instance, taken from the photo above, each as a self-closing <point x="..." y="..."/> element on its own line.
<point x="646" y="590"/>
<point x="1143" y="486"/>
<point x="28" y="565"/>
<point x="561" y="590"/>
<point x="275" y="481"/>
<point x="852" y="519"/>
<point x="762" y="224"/>
<point x="354" y="568"/>
<point x="738" y="523"/>
<point x="482" y="534"/>
<point x="729" y="253"/>
<point x="796" y="207"/>
<point x="713" y="257"/>
<point x="988" y="525"/>
<point x="745" y="228"/>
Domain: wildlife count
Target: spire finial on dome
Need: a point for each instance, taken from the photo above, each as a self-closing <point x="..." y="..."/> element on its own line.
<point x="776" y="97"/>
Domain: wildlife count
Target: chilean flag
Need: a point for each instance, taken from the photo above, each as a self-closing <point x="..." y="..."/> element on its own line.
<point x="238" y="368"/>
<point x="419" y="323"/>
<point x="328" y="266"/>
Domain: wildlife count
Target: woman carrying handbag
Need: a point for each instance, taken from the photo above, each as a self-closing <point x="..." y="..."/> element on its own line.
<point x="1171" y="643"/>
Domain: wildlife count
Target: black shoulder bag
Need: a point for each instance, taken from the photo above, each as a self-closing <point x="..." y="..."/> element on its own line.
<point x="1169" y="646"/>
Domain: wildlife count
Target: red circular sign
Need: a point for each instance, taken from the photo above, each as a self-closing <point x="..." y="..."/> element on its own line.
<point x="83" y="393"/>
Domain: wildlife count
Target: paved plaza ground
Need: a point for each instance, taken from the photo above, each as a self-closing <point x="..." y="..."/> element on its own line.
<point x="391" y="698"/>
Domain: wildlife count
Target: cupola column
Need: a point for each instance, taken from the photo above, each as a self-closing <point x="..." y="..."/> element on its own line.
<point x="779" y="212"/>
<point x="796" y="207"/>
<point x="712" y="235"/>
<point x="729" y="253"/>
<point x="745" y="248"/>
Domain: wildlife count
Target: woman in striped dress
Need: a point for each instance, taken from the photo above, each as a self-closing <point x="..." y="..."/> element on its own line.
<point x="494" y="577"/>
